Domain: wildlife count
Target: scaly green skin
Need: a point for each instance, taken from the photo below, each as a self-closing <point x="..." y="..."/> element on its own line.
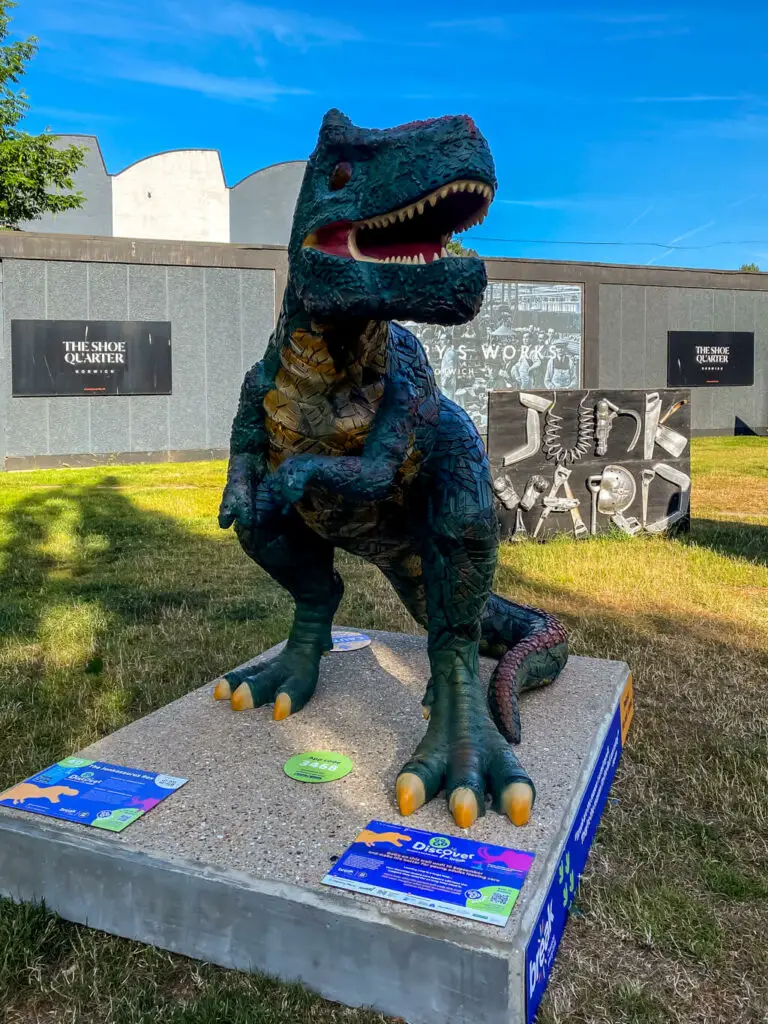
<point x="342" y="439"/>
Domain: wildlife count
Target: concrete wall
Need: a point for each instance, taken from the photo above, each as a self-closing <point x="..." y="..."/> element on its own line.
<point x="261" y="205"/>
<point x="221" y="319"/>
<point x="222" y="300"/>
<point x="628" y="311"/>
<point x="92" y="179"/>
<point x="634" y="321"/>
<point x="180" y="194"/>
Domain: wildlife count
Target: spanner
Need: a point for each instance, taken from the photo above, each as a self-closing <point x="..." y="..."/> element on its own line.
<point x="593" y="483"/>
<point x="648" y="476"/>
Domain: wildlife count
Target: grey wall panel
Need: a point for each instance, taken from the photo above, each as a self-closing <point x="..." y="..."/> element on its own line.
<point x="633" y="336"/>
<point x="724" y="311"/>
<point x="223" y="352"/>
<point x="68" y="418"/>
<point x="150" y="414"/>
<point x="69" y="426"/>
<point x="261" y="206"/>
<point x="702" y="309"/>
<point x="257" y="302"/>
<point x="610" y="336"/>
<point x="679" y="309"/>
<point x="66" y="291"/>
<point x="760" y="309"/>
<point x="95" y="216"/>
<point x="108" y="300"/>
<point x="186" y="311"/>
<point x="656" y="326"/>
<point x="110" y="424"/>
<point x="684" y="309"/>
<point x="26" y="419"/>
<point x="107" y="291"/>
<point x="150" y="426"/>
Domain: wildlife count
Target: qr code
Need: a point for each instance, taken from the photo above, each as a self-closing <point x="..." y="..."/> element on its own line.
<point x="500" y="898"/>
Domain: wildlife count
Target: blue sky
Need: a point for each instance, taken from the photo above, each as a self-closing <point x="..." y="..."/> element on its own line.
<point x="628" y="123"/>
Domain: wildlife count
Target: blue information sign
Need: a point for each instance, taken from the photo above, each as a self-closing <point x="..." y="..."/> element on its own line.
<point x="546" y="935"/>
<point x="436" y="872"/>
<point x="107" y="796"/>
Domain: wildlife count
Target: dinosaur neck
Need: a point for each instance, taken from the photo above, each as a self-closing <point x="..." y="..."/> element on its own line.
<point x="357" y="346"/>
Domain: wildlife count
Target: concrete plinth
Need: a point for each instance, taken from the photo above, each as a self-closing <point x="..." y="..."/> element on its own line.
<point x="229" y="868"/>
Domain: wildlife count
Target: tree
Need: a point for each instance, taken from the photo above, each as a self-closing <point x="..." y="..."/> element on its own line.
<point x="458" y="249"/>
<point x="749" y="268"/>
<point x="35" y="176"/>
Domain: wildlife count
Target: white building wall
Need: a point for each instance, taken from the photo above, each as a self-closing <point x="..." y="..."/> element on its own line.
<point x="179" y="195"/>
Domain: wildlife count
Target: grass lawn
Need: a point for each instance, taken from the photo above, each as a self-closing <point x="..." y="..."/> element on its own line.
<point x="118" y="593"/>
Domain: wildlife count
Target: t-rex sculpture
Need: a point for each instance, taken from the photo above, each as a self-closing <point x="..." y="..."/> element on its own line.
<point x="342" y="439"/>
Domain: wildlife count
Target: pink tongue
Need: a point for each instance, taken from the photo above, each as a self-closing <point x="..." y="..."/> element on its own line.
<point x="333" y="239"/>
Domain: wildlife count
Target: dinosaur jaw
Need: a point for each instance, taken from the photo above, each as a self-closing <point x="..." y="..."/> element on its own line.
<point x="415" y="234"/>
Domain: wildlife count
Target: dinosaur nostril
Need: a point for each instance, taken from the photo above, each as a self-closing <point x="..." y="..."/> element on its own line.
<point x="340" y="175"/>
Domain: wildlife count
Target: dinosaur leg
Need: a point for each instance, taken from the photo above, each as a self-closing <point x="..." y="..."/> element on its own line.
<point x="462" y="749"/>
<point x="301" y="562"/>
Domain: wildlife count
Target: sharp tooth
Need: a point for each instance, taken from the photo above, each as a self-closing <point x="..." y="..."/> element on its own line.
<point x="470" y="186"/>
<point x="432" y="199"/>
<point x="420" y="207"/>
<point x="421" y="258"/>
<point x="410" y="211"/>
<point x="444" y="192"/>
<point x="401" y="215"/>
<point x="443" y="251"/>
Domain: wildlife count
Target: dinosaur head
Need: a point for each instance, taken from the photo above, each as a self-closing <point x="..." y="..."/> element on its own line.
<point x="373" y="216"/>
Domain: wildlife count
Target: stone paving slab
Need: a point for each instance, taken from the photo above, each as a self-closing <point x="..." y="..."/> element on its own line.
<point x="229" y="868"/>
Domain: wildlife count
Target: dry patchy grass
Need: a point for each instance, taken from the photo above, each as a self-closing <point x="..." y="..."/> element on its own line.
<point x="119" y="593"/>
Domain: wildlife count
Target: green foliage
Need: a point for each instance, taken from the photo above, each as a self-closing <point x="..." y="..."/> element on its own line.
<point x="458" y="249"/>
<point x="35" y="176"/>
<point x="749" y="268"/>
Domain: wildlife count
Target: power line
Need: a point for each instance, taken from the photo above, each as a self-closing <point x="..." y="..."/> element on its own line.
<point x="657" y="245"/>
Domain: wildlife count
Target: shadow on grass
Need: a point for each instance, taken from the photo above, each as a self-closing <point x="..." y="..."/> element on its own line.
<point x="733" y="539"/>
<point x="147" y="609"/>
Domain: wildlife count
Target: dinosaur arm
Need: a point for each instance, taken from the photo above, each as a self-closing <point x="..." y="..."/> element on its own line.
<point x="366" y="477"/>
<point x="248" y="443"/>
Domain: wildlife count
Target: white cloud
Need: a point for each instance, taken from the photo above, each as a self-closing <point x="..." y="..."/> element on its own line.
<point x="287" y="27"/>
<point x="175" y="76"/>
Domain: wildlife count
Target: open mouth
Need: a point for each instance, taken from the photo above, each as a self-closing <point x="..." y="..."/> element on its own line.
<point x="417" y="233"/>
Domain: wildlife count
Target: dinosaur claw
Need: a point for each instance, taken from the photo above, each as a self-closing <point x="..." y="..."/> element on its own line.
<point x="425" y="711"/>
<point x="517" y="802"/>
<point x="463" y="806"/>
<point x="223" y="690"/>
<point x="282" y="707"/>
<point x="410" y="793"/>
<point x="242" y="698"/>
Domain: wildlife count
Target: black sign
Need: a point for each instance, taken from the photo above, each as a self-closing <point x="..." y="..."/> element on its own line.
<point x="90" y="357"/>
<point x="705" y="359"/>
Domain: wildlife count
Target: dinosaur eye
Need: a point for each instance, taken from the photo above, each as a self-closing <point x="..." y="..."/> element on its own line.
<point x="340" y="175"/>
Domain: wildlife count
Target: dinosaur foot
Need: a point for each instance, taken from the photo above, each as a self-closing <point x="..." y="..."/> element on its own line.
<point x="288" y="680"/>
<point x="472" y="763"/>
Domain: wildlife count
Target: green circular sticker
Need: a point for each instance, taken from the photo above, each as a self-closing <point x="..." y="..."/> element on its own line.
<point x="318" y="766"/>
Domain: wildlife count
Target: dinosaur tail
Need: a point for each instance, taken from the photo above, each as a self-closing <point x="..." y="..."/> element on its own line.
<point x="532" y="647"/>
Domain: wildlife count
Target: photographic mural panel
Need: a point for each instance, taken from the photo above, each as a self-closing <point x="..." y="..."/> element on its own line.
<point x="585" y="462"/>
<point x="526" y="336"/>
